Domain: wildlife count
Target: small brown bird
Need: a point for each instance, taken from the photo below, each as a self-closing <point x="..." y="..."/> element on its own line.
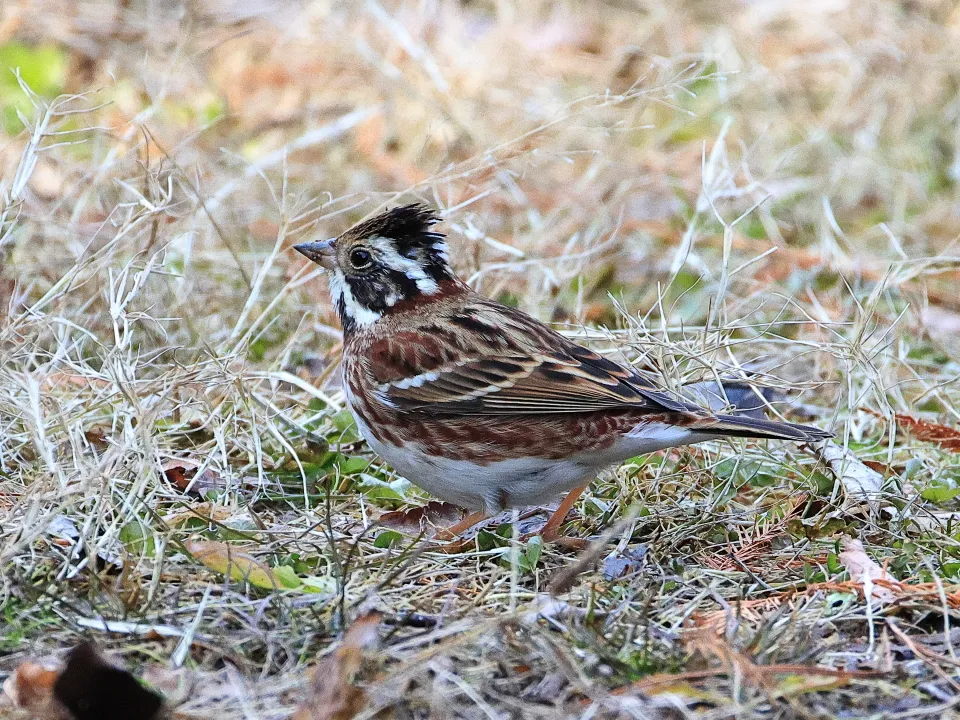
<point x="480" y="404"/>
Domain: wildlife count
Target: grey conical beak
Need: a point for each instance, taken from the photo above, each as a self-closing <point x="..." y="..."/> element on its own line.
<point x="322" y="253"/>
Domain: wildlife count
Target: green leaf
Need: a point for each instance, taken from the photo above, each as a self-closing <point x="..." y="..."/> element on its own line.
<point x="939" y="493"/>
<point x="387" y="539"/>
<point x="534" y="550"/>
<point x="137" y="539"/>
<point x="314" y="451"/>
<point x="353" y="465"/>
<point x="486" y="540"/>
<point x="287" y="576"/>
<point x="319" y="585"/>
<point x="343" y="421"/>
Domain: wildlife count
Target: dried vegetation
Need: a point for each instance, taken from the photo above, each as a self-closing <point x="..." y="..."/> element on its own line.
<point x="688" y="185"/>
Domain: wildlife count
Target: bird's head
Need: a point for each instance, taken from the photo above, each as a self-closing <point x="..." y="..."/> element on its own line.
<point x="388" y="259"/>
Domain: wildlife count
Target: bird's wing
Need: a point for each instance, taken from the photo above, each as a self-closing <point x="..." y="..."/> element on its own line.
<point x="487" y="359"/>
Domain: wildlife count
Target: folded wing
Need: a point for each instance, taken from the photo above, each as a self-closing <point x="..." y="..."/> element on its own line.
<point x="516" y="367"/>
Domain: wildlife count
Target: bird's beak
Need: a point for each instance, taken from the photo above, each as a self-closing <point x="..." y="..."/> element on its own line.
<point x="322" y="253"/>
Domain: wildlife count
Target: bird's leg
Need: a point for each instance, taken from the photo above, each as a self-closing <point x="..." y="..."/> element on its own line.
<point x="551" y="531"/>
<point x="457" y="529"/>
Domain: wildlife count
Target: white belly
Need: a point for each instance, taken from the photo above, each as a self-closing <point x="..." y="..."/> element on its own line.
<point x="521" y="481"/>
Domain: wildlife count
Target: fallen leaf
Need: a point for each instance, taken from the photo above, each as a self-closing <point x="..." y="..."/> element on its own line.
<point x="864" y="570"/>
<point x="618" y="564"/>
<point x="943" y="435"/>
<point x="415" y="520"/>
<point x="946" y="437"/>
<point x="175" y="471"/>
<point x="182" y="473"/>
<point x="30" y="687"/>
<point x="64" y="533"/>
<point x="97" y="437"/>
<point x="227" y="560"/>
<point x="200" y="511"/>
<point x="546" y="607"/>
<point x="879" y="467"/>
<point x="859" y="481"/>
<point x="331" y="694"/>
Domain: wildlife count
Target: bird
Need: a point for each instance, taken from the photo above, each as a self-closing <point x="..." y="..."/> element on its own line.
<point x="482" y="405"/>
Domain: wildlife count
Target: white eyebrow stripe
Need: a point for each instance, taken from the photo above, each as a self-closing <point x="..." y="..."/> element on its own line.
<point x="411" y="268"/>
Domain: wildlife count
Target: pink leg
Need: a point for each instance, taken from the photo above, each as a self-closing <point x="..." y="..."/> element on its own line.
<point x="454" y="531"/>
<point x="551" y="531"/>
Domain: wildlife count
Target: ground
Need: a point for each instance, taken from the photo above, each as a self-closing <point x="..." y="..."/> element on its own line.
<point x="690" y="186"/>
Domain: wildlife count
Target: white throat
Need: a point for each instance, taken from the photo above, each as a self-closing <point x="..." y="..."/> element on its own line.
<point x="340" y="293"/>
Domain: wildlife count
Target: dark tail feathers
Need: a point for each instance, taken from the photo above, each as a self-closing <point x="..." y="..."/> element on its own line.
<point x="748" y="426"/>
<point x="749" y="404"/>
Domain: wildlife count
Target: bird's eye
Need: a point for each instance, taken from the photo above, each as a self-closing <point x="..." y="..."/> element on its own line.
<point x="360" y="258"/>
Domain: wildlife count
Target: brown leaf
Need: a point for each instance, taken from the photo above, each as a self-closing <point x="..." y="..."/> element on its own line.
<point x="175" y="471"/>
<point x="946" y="437"/>
<point x="31" y="687"/>
<point x="879" y="467"/>
<point x="97" y="436"/>
<point x="331" y="694"/>
<point x="943" y="435"/>
<point x="182" y="474"/>
<point x="414" y="520"/>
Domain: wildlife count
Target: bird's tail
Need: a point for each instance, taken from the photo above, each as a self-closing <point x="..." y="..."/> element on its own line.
<point x="748" y="426"/>
<point x="748" y="404"/>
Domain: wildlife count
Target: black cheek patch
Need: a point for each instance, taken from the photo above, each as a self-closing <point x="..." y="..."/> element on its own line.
<point x="404" y="286"/>
<point x="373" y="289"/>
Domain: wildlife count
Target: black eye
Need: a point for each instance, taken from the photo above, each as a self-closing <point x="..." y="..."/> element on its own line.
<point x="360" y="258"/>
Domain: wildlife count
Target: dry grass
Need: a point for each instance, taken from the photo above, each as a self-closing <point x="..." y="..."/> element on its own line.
<point x="710" y="183"/>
